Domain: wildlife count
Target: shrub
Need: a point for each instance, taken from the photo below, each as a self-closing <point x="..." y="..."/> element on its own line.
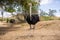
<point x="46" y="18"/>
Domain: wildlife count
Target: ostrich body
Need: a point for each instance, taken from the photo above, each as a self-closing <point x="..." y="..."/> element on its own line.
<point x="12" y="21"/>
<point x="32" y="20"/>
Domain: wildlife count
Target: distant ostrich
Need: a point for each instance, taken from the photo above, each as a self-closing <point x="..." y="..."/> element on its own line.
<point x="32" y="20"/>
<point x="12" y="21"/>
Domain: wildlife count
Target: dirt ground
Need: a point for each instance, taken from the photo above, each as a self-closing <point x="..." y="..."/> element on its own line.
<point x="45" y="30"/>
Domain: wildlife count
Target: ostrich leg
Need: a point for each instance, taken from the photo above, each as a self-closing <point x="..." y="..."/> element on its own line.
<point x="30" y="26"/>
<point x="33" y="26"/>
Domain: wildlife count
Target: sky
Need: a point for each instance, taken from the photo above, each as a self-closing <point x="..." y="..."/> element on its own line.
<point x="45" y="5"/>
<point x="50" y="4"/>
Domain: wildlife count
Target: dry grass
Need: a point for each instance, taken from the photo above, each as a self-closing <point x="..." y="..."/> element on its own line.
<point x="45" y="30"/>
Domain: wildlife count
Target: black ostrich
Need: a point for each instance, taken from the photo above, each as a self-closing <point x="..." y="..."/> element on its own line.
<point x="32" y="20"/>
<point x="12" y="21"/>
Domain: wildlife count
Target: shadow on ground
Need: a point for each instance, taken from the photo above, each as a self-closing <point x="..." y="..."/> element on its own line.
<point x="4" y="30"/>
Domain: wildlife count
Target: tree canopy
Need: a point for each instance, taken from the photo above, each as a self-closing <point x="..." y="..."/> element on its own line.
<point x="23" y="3"/>
<point x="51" y="12"/>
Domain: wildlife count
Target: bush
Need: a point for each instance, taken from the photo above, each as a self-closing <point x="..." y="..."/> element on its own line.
<point x="46" y="18"/>
<point x="0" y="19"/>
<point x="59" y="19"/>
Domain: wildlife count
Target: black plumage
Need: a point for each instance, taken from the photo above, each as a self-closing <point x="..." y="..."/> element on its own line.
<point x="12" y="21"/>
<point x="32" y="20"/>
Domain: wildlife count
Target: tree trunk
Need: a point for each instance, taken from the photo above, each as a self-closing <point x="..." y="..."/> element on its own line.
<point x="2" y="15"/>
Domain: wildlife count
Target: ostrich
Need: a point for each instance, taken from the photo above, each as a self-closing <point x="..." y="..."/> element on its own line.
<point x="32" y="19"/>
<point x="11" y="22"/>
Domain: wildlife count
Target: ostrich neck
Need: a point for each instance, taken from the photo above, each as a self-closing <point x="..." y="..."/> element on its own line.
<point x="30" y="11"/>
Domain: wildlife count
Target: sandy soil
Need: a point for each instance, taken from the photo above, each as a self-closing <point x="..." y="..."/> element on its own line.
<point x="45" y="30"/>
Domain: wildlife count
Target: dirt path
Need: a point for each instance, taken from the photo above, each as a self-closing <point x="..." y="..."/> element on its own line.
<point x="45" y="30"/>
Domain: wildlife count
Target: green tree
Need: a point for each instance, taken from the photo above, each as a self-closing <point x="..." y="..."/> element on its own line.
<point x="11" y="10"/>
<point x="51" y="12"/>
<point x="43" y="13"/>
<point x="23" y="3"/>
<point x="11" y="4"/>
